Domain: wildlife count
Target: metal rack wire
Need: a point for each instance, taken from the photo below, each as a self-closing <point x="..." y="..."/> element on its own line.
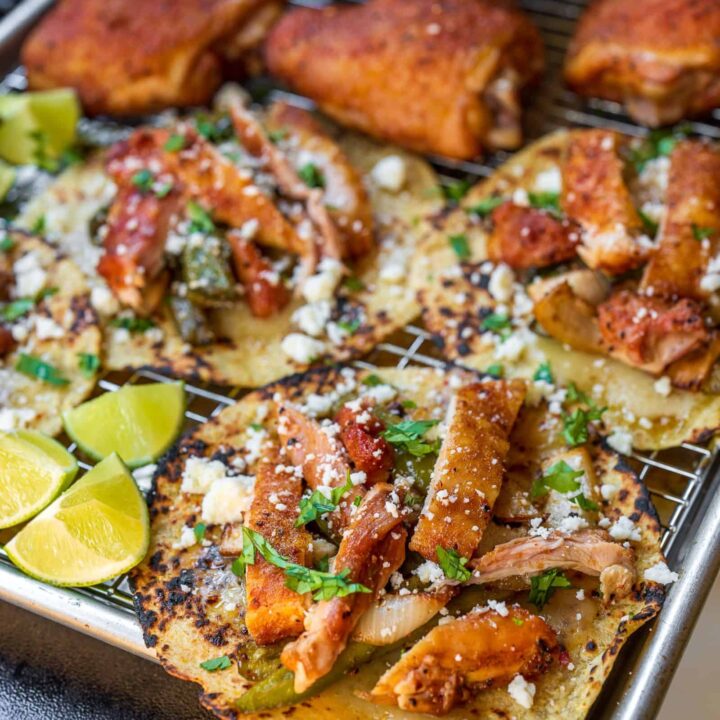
<point x="683" y="481"/>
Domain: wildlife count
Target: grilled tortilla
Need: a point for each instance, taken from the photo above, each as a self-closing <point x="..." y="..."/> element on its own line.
<point x="57" y="327"/>
<point x="192" y="606"/>
<point x="248" y="350"/>
<point x="564" y="268"/>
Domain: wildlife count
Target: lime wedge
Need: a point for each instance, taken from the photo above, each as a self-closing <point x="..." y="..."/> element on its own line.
<point x="97" y="529"/>
<point x="37" y="123"/>
<point x="138" y="422"/>
<point x="34" y="470"/>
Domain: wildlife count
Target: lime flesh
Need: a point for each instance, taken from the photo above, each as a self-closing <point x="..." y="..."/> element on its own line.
<point x="37" y="122"/>
<point x="138" y="422"/>
<point x="34" y="469"/>
<point x="94" y="531"/>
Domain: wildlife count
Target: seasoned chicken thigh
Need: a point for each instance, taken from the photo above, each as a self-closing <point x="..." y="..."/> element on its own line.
<point x="439" y="76"/>
<point x="125" y="57"/>
<point x="660" y="57"/>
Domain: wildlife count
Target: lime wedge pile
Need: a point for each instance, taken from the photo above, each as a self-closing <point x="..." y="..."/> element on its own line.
<point x="139" y="422"/>
<point x="97" y="529"/>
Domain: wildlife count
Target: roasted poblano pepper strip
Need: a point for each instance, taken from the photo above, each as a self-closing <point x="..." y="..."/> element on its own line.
<point x="206" y="272"/>
<point x="190" y="321"/>
<point x="277" y="689"/>
<point x="257" y="663"/>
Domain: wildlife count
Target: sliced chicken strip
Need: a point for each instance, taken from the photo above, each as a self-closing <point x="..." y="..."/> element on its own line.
<point x="596" y="196"/>
<point x="591" y="552"/>
<point x="468" y="474"/>
<point x="275" y="612"/>
<point x="372" y="548"/>
<point x="481" y="649"/>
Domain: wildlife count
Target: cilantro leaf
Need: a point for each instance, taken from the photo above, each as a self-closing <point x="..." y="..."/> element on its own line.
<point x="544" y="585"/>
<point x="452" y="564"/>
<point x="6" y="244"/>
<point x="495" y="322"/>
<point x="200" y="220"/>
<point x="174" y="143"/>
<point x="495" y="370"/>
<point x="88" y="363"/>
<point x="544" y="373"/>
<point x="702" y="233"/>
<point x="16" y="309"/>
<point x="310" y="174"/>
<point x="132" y="324"/>
<point x="459" y="244"/>
<point x="407" y="435"/>
<point x="563" y="479"/>
<point x="651" y="227"/>
<point x="218" y="663"/>
<point x="549" y="201"/>
<point x="658" y="143"/>
<point x="39" y="227"/>
<point x="354" y="284"/>
<point x="350" y="326"/>
<point x="276" y="136"/>
<point x="143" y="180"/>
<point x="37" y="368"/>
<point x="486" y="206"/>
<point x="575" y="424"/>
<point x="373" y="380"/>
<point x="317" y="504"/>
<point x="456" y="190"/>
<point x="322" y="585"/>
<point x="199" y="531"/>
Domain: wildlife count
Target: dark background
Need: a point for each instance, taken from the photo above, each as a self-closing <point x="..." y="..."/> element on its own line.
<point x="48" y="672"/>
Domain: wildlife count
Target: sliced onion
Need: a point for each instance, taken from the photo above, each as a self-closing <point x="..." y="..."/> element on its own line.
<point x="396" y="616"/>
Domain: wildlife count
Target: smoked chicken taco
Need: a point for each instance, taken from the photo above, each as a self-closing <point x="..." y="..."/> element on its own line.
<point x="374" y="545"/>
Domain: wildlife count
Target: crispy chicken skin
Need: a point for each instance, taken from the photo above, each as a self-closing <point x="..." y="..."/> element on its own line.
<point x="372" y="549"/>
<point x="478" y="650"/>
<point x="469" y="468"/>
<point x="591" y="552"/>
<point x="660" y="57"/>
<point x="651" y="332"/>
<point x="596" y="196"/>
<point x="690" y="234"/>
<point x="438" y="76"/>
<point x="525" y="237"/>
<point x="273" y="610"/>
<point x="129" y="57"/>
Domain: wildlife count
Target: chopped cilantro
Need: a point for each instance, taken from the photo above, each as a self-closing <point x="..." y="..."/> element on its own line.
<point x="575" y="424"/>
<point x="317" y="504"/>
<point x="88" y="363"/>
<point x="310" y="174"/>
<point x="563" y="479"/>
<point x="133" y="324"/>
<point x="408" y="404"/>
<point x="6" y="244"/>
<point x="658" y="143"/>
<point x="174" y="143"/>
<point x="651" y="227"/>
<point x="16" y="309"/>
<point x="495" y="322"/>
<point x="452" y="564"/>
<point x="162" y="190"/>
<point x="373" y="380"/>
<point x="200" y="220"/>
<point x="702" y="233"/>
<point x="214" y="130"/>
<point x="544" y="585"/>
<point x="218" y="663"/>
<point x="350" y="326"/>
<point x="257" y="427"/>
<point x="544" y="373"/>
<point x="485" y="207"/>
<point x="357" y="501"/>
<point x="354" y="284"/>
<point x="276" y="136"/>
<point x="456" y="190"/>
<point x="41" y="156"/>
<point x="322" y="585"/>
<point x="39" y="227"/>
<point x="408" y="436"/>
<point x="549" y="201"/>
<point x="495" y="370"/>
<point x="199" y="531"/>
<point x="323" y="564"/>
<point x="143" y="180"/>
<point x="459" y="244"/>
<point x="518" y="621"/>
<point x="37" y="368"/>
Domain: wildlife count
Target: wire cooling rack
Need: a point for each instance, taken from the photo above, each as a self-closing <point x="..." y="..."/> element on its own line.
<point x="683" y="481"/>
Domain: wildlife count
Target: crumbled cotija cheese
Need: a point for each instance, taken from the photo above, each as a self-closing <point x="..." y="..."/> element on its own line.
<point x="661" y="573"/>
<point x="302" y="348"/>
<point x="228" y="499"/>
<point x="522" y="692"/>
<point x="390" y="173"/>
<point x="200" y="473"/>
